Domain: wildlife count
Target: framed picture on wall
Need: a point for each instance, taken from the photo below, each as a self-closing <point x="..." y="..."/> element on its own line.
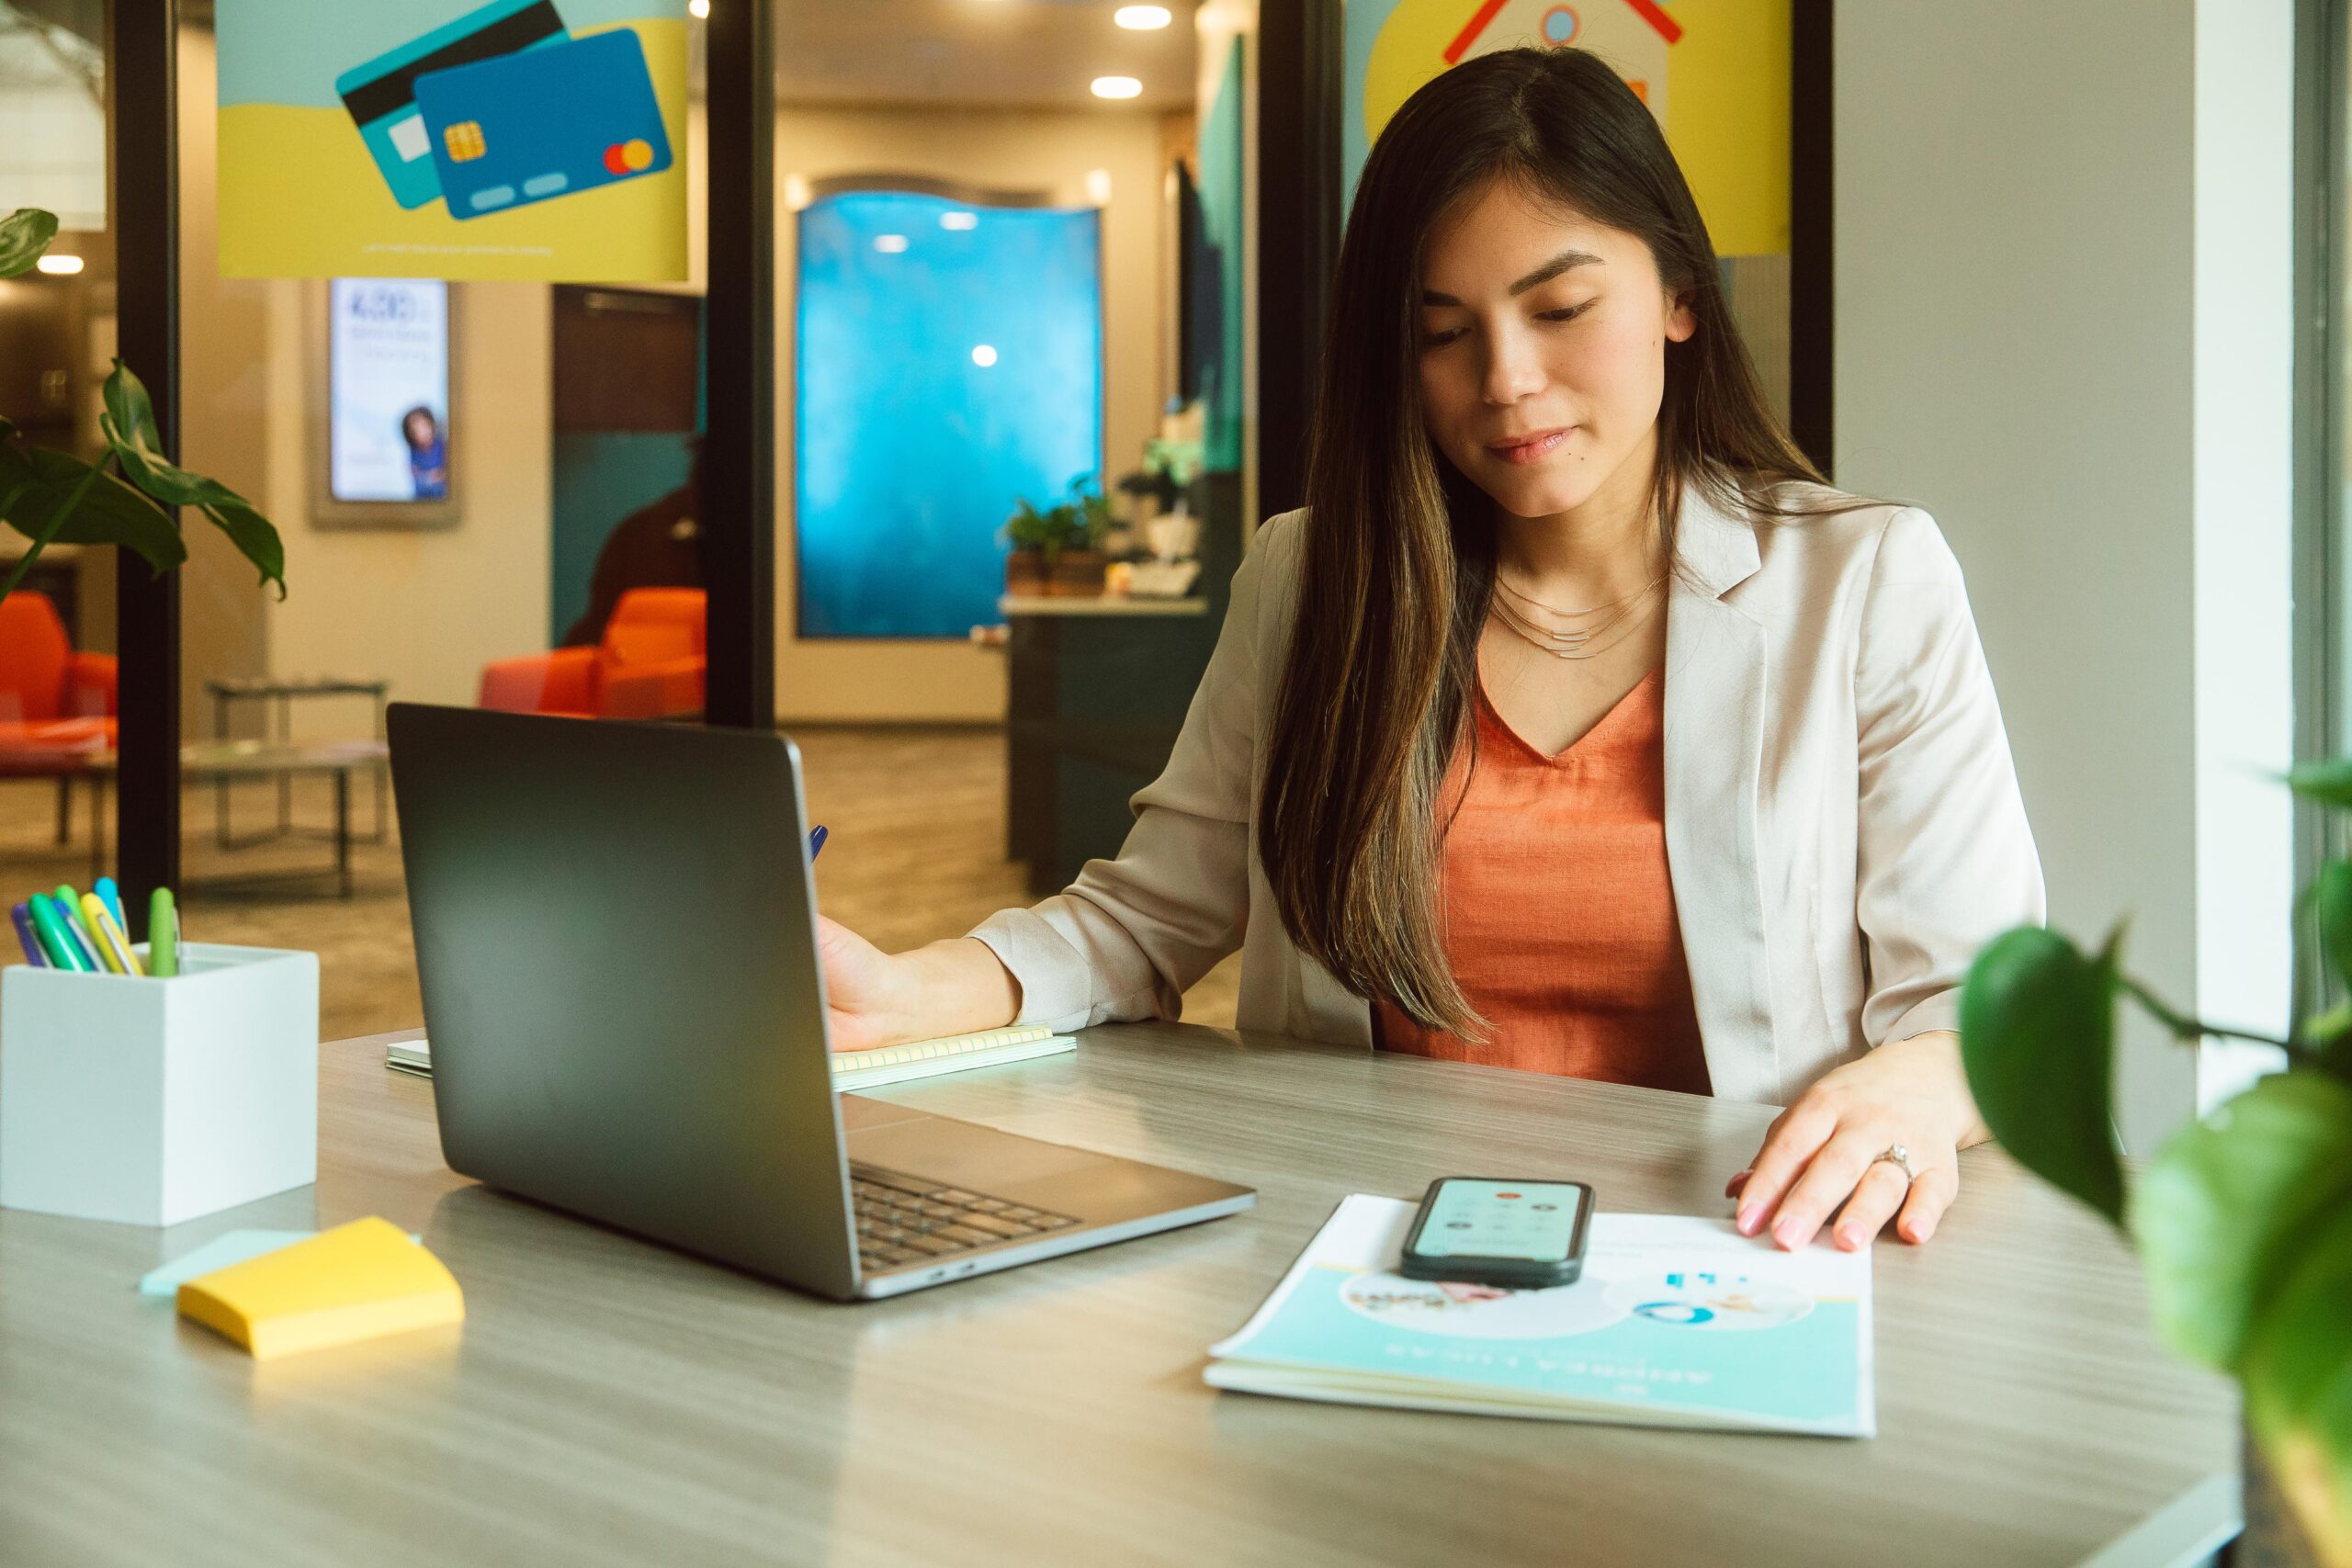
<point x="386" y="439"/>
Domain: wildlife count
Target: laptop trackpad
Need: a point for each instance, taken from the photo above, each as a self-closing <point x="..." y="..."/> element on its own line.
<point x="959" y="1153"/>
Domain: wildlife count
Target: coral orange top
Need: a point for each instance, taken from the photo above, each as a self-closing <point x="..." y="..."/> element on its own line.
<point x="1558" y="916"/>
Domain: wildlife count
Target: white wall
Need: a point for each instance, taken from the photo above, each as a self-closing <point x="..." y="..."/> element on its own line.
<point x="994" y="150"/>
<point x="2063" y="248"/>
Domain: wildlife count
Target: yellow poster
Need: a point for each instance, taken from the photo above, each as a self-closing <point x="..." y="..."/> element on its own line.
<point x="537" y="139"/>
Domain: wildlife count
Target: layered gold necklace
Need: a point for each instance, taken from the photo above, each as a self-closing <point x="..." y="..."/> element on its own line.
<point x="1573" y="634"/>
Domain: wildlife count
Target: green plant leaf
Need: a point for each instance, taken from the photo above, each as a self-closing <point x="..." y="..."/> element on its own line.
<point x="41" y="483"/>
<point x="2228" y="1206"/>
<point x="2329" y="783"/>
<point x="2298" y="1377"/>
<point x="2037" y="1032"/>
<point x="2332" y="906"/>
<point x="129" y="425"/>
<point x="253" y="534"/>
<point x="25" y="235"/>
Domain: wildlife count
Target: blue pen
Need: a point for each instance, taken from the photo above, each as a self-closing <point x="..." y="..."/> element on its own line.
<point x="31" y="936"/>
<point x="111" y="896"/>
<point x="816" y="842"/>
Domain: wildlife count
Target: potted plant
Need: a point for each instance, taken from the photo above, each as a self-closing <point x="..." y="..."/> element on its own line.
<point x="1059" y="550"/>
<point x="50" y="496"/>
<point x="1079" y="565"/>
<point x="1035" y="538"/>
<point x="2243" y="1220"/>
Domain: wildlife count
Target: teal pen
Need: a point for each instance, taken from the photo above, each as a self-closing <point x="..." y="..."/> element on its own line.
<point x="111" y="896"/>
<point x="65" y="947"/>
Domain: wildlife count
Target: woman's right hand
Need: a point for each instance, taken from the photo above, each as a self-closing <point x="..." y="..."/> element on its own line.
<point x="865" y="1000"/>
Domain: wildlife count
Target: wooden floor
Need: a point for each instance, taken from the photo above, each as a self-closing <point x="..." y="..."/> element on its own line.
<point x="915" y="853"/>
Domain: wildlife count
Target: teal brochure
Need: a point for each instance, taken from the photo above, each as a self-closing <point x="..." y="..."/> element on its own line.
<point x="1676" y="1322"/>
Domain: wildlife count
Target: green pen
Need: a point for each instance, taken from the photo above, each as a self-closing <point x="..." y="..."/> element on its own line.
<point x="163" y="935"/>
<point x="69" y="903"/>
<point x="58" y="937"/>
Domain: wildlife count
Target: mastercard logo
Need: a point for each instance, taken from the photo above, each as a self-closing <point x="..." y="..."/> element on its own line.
<point x="630" y="157"/>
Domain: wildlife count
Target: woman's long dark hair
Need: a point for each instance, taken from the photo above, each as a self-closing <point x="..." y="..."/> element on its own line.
<point x="1398" y="565"/>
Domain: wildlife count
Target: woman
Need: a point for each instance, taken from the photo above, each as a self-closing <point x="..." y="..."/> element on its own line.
<point x="428" y="454"/>
<point x="1574" y="725"/>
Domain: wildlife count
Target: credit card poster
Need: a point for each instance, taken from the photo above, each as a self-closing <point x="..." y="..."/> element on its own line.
<point x="522" y="140"/>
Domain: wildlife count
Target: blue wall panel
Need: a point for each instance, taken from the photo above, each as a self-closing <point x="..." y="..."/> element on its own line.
<point x="909" y="452"/>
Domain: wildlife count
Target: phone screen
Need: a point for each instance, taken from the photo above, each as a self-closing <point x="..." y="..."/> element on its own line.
<point x="1530" y="1220"/>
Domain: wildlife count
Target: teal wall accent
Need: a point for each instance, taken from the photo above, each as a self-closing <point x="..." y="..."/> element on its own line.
<point x="1222" y="215"/>
<point x="599" y="479"/>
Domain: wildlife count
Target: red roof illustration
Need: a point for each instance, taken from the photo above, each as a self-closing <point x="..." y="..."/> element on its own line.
<point x="1649" y="11"/>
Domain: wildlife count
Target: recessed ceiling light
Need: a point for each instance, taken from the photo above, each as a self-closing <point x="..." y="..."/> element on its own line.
<point x="959" y="221"/>
<point x="983" y="356"/>
<point x="890" y="244"/>
<point x="1137" y="18"/>
<point x="60" y="266"/>
<point x="1118" y="87"/>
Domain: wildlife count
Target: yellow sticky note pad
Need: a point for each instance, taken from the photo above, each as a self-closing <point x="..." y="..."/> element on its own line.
<point x="357" y="1281"/>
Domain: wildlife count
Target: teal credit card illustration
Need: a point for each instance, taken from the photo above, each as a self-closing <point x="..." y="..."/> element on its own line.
<point x="546" y="122"/>
<point x="381" y="94"/>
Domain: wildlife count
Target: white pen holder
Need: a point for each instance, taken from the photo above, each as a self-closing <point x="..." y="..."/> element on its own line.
<point x="153" y="1101"/>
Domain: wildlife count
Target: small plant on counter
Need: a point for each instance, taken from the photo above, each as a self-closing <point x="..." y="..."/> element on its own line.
<point x="2244" y="1219"/>
<point x="50" y="496"/>
<point x="1167" y="472"/>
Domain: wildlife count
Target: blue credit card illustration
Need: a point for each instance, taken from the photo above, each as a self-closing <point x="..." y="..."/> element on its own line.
<point x="543" y="123"/>
<point x="381" y="94"/>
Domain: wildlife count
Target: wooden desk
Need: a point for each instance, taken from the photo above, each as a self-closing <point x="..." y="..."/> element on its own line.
<point x="608" y="1401"/>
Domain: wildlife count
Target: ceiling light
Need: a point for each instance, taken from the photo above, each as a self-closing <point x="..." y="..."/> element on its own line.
<point x="959" y="221"/>
<point x="890" y="244"/>
<point x="1141" y="18"/>
<point x="983" y="356"/>
<point x="60" y="266"/>
<point x="698" y="9"/>
<point x="1098" y="186"/>
<point x="1118" y="87"/>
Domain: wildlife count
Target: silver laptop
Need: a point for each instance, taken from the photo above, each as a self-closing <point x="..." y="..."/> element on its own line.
<point x="615" y="937"/>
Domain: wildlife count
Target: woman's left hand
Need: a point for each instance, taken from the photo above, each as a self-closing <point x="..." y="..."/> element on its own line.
<point x="1824" y="1151"/>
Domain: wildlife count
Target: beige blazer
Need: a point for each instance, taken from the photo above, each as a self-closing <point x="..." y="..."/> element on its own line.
<point x="1843" y="825"/>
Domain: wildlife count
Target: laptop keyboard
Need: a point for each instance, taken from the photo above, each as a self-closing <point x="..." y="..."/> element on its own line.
<point x="905" y="1218"/>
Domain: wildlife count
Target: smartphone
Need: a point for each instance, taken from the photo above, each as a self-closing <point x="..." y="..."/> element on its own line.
<point x="1518" y="1235"/>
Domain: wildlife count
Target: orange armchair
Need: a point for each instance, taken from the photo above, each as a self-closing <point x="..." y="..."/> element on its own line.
<point x="651" y="664"/>
<point x="51" y="698"/>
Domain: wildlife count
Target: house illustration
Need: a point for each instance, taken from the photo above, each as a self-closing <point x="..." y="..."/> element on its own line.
<point x="1636" y="37"/>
